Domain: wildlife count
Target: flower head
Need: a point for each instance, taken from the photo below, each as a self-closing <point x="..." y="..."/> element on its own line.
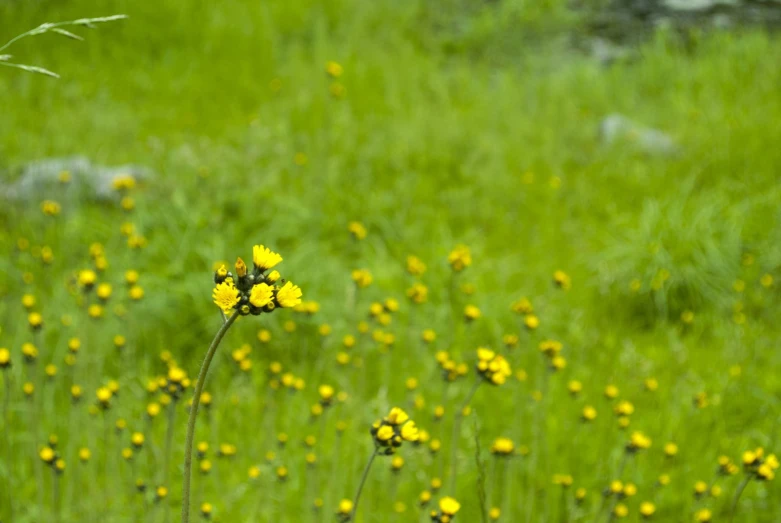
<point x="460" y="258"/>
<point x="264" y="258"/>
<point x="226" y="296"/>
<point x="448" y="508"/>
<point x="289" y="295"/>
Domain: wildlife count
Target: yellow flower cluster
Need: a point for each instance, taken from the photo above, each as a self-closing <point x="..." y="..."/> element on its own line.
<point x="254" y="292"/>
<point x="460" y="258"/>
<point x="493" y="367"/>
<point x="451" y="370"/>
<point x="552" y="350"/>
<point x="760" y="466"/>
<point x="390" y="432"/>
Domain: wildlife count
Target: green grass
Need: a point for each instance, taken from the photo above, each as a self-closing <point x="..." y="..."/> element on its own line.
<point x="459" y="124"/>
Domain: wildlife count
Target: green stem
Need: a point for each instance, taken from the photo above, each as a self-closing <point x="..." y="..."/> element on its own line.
<point x="169" y="438"/>
<point x="363" y="481"/>
<point x="738" y="493"/>
<point x="188" y="442"/>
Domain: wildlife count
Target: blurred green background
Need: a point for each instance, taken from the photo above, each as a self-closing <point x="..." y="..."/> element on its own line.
<point x="641" y="158"/>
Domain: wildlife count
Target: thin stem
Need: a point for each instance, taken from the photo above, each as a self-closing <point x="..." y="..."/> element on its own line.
<point x="738" y="493"/>
<point x="363" y="481"/>
<point x="188" y="442"/>
<point x="459" y="415"/>
<point x="169" y="438"/>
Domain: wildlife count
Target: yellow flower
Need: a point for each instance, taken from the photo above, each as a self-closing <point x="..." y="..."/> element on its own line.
<point x="415" y="266"/>
<point x="460" y="258"/>
<point x="562" y="280"/>
<point x="385" y="433"/>
<point x="261" y="295"/>
<point x="503" y="447"/>
<point x="47" y="454"/>
<point x="289" y="295"/>
<point x="397" y="416"/>
<point x="357" y="229"/>
<point x="334" y="70"/>
<point x="449" y="506"/>
<point x="471" y="312"/>
<point x="345" y="507"/>
<point x="409" y="432"/>
<point x="225" y="296"/>
<point x="362" y="277"/>
<point x="264" y="258"/>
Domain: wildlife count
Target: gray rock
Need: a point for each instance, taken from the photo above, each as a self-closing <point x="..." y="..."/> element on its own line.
<point x="616" y="128"/>
<point x="39" y="178"/>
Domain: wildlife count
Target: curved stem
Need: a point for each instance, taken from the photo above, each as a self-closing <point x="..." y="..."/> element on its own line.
<point x="738" y="493"/>
<point x="188" y="442"/>
<point x="363" y="481"/>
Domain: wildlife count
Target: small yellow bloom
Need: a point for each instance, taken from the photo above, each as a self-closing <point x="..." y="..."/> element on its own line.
<point x="289" y="295"/>
<point x="225" y="296"/>
<point x="264" y="258"/>
<point x="261" y="295"/>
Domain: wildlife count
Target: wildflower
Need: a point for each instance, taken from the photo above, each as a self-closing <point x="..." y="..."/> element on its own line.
<point x="357" y="229"/>
<point x="47" y="455"/>
<point x="334" y="70"/>
<point x="460" y="258"/>
<point x="448" y="508"/>
<point x="50" y="208"/>
<point x="87" y="278"/>
<point x="637" y="441"/>
<point x="574" y="387"/>
<point x="104" y="397"/>
<point x="390" y="432"/>
<point x="362" y="277"/>
<point x="471" y="313"/>
<point x="492" y="367"/>
<point x="84" y="455"/>
<point x="418" y="293"/>
<point x="281" y="473"/>
<point x="621" y="510"/>
<point x="531" y="322"/>
<point x="415" y="266"/>
<point x="670" y="449"/>
<point x="495" y="513"/>
<point x="522" y="306"/>
<point x="611" y="392"/>
<point x="562" y="280"/>
<point x="345" y="510"/>
<point x="424" y="498"/>
<point x="226" y="296"/>
<point x="264" y="259"/>
<point x="502" y="447"/>
<point x="589" y="413"/>
<point x="161" y="493"/>
<point x="5" y="358"/>
<point x="563" y="480"/>
<point x="766" y="281"/>
<point x="137" y="439"/>
<point x="35" y="320"/>
<point x="703" y="515"/>
<point x="206" y="510"/>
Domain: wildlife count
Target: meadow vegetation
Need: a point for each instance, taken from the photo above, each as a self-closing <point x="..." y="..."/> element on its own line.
<point x="579" y="330"/>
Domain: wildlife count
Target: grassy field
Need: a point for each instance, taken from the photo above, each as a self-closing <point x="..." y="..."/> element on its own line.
<point x="445" y="123"/>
